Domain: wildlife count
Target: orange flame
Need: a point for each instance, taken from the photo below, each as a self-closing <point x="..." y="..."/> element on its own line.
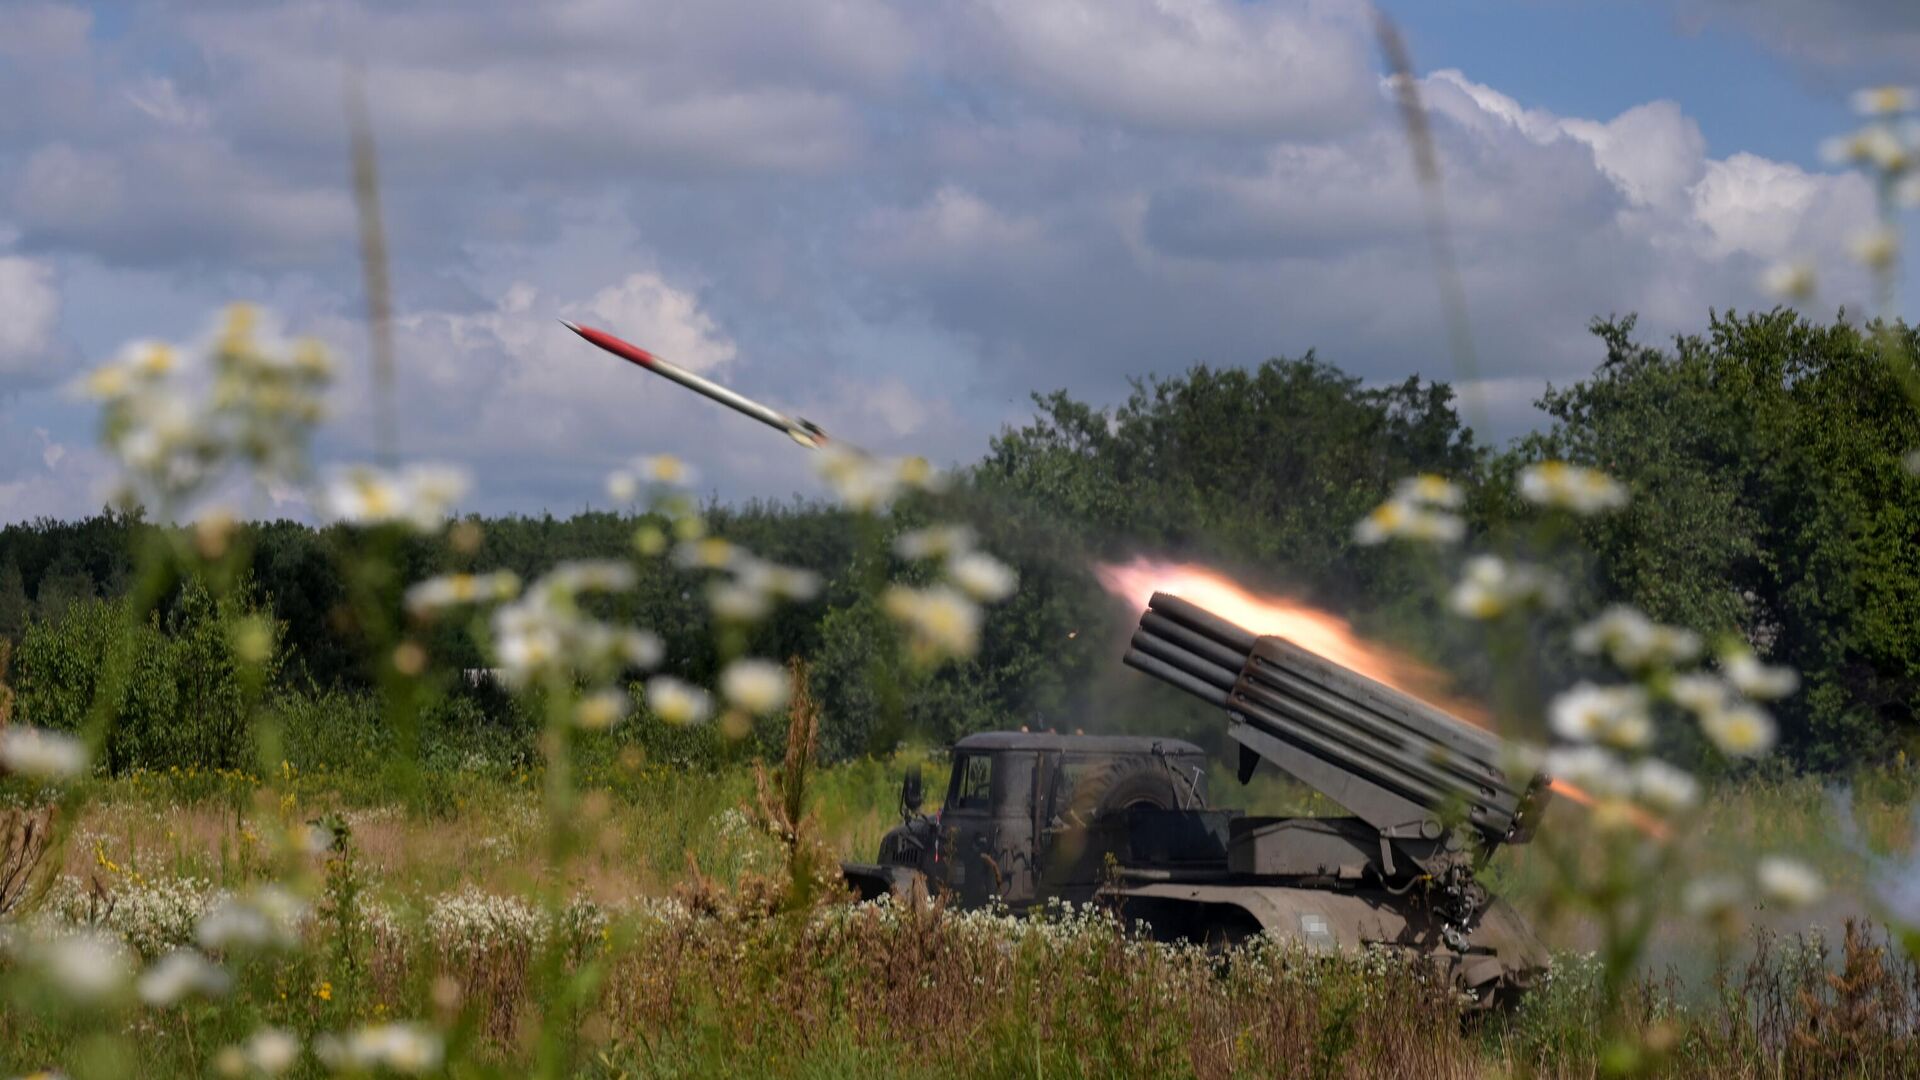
<point x="1310" y="628"/>
<point x="1332" y="637"/>
<point x="1637" y="816"/>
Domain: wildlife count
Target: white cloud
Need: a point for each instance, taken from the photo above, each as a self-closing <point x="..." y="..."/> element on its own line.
<point x="571" y="87"/>
<point x="895" y="219"/>
<point x="179" y="200"/>
<point x="31" y="348"/>
<point x="1189" y="65"/>
<point x="50" y="451"/>
<point x="953" y="225"/>
<point x="1869" y="38"/>
<point x="62" y="186"/>
<point x="37" y="31"/>
<point x="160" y="99"/>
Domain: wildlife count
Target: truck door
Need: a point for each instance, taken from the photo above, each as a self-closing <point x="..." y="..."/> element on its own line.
<point x="987" y="825"/>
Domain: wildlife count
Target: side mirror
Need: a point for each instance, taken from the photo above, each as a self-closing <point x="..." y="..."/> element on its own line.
<point x="910" y="793"/>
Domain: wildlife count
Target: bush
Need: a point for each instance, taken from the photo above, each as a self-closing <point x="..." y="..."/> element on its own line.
<point x="183" y="699"/>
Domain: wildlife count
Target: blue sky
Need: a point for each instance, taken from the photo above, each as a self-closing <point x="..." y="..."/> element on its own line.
<point x="896" y="218"/>
<point x="1601" y="58"/>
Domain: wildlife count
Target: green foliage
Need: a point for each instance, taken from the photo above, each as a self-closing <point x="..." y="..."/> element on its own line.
<point x="1769" y="502"/>
<point x="15" y="608"/>
<point x="184" y="701"/>
<point x="1272" y="465"/>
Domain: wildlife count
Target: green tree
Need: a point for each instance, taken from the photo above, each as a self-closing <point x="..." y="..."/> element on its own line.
<point x="63" y="586"/>
<point x="1770" y="501"/>
<point x="15" y="608"/>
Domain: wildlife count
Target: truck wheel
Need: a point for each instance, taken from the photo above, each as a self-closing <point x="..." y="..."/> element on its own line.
<point x="1124" y="784"/>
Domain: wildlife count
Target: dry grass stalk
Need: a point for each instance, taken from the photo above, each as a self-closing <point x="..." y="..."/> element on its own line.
<point x="6" y="691"/>
<point x="781" y="800"/>
<point x="25" y="835"/>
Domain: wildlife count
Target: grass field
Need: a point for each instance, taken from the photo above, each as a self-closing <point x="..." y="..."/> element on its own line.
<point x="647" y="820"/>
<point x="436" y="906"/>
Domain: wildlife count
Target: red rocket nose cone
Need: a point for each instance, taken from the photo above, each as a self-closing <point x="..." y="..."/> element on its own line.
<point x="625" y="350"/>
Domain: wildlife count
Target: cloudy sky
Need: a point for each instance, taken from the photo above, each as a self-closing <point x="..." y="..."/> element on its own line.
<point x="896" y="218"/>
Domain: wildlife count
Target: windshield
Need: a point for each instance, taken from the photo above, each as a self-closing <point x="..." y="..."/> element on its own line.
<point x="1001" y="782"/>
<point x="972" y="783"/>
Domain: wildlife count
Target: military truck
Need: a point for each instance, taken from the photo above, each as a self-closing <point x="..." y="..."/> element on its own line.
<point x="1125" y="820"/>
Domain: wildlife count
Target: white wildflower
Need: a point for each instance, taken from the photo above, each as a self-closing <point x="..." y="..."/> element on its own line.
<point x="272" y="1050"/>
<point x="527" y="638"/>
<point x="1699" y="694"/>
<point x="862" y="482"/>
<point x="1886" y="151"/>
<point x="677" y="702"/>
<point x="1759" y="681"/>
<point x="1910" y="461"/>
<point x="1793" y="281"/>
<point x="733" y="601"/>
<point x="1429" y="489"/>
<point x="1715" y="898"/>
<point x="266" y="916"/>
<point x="1400" y="519"/>
<point x="1664" y="787"/>
<point x="107" y="383"/>
<point x="982" y="576"/>
<point x="917" y="472"/>
<point x="1861" y="147"/>
<point x="433" y="490"/>
<point x="1616" y="715"/>
<point x="640" y="648"/>
<point x="1634" y="641"/>
<point x="664" y="469"/>
<point x="774" y="580"/>
<point x="545" y="635"/>
<point x="758" y="686"/>
<point x="408" y="1049"/>
<point x="1906" y="193"/>
<point x="420" y="496"/>
<point x="1492" y="586"/>
<point x="180" y="974"/>
<point x="1883" y="101"/>
<point x="1571" y="487"/>
<point x="450" y="590"/>
<point x="1791" y="882"/>
<point x="1594" y="768"/>
<point x="600" y="710"/>
<point x="622" y="486"/>
<point x="942" y="621"/>
<point x="648" y="540"/>
<point x="40" y="754"/>
<point x="589" y="575"/>
<point x="87" y="966"/>
<point x="709" y="553"/>
<point x="1741" y="730"/>
<point x="312" y="839"/>
<point x="137" y="366"/>
<point x="934" y="541"/>
<point x="1876" y="248"/>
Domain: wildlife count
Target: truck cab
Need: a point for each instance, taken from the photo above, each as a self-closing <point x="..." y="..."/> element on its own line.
<point x="1029" y="815"/>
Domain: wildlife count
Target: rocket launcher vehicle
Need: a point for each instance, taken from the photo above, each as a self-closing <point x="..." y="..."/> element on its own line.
<point x="1418" y="776"/>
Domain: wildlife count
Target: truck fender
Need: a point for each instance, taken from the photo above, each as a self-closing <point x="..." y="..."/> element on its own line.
<point x="871" y="881"/>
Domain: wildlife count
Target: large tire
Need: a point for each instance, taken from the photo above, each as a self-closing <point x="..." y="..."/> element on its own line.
<point x="1128" y="783"/>
<point x="1089" y="825"/>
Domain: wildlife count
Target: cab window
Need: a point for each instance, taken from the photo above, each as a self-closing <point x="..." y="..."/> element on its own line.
<point x="972" y="783"/>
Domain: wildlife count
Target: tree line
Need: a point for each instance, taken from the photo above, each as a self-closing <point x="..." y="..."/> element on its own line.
<point x="1767" y="458"/>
